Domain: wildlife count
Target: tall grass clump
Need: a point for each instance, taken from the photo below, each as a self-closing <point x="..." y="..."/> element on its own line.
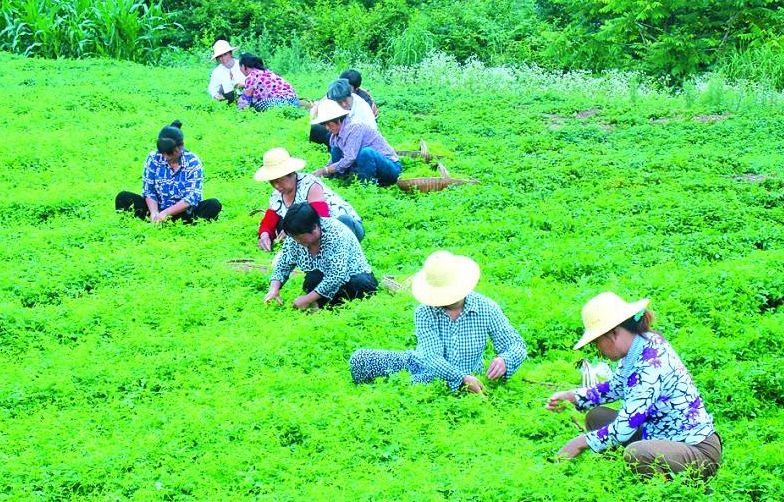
<point x="123" y="29"/>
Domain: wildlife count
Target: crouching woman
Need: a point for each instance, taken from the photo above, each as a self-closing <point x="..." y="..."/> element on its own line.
<point x="328" y="252"/>
<point x="452" y="327"/>
<point x="663" y="422"/>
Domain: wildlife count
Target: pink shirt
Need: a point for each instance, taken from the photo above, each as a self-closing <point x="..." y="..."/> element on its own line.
<point x="267" y="85"/>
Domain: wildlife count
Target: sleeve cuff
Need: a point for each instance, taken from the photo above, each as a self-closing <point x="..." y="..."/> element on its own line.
<point x="593" y="442"/>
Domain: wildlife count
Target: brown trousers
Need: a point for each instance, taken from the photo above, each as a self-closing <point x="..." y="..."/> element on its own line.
<point x="648" y="457"/>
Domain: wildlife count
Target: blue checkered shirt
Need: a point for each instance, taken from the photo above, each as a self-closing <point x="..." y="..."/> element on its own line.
<point x="450" y="349"/>
<point x="166" y="187"/>
<point x="340" y="256"/>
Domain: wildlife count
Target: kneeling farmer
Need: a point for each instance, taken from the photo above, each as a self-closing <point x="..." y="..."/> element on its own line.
<point x="356" y="148"/>
<point x="330" y="255"/>
<point x="452" y="326"/>
<point x="663" y="422"/>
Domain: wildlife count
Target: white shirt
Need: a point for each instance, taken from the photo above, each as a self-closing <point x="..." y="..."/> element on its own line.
<point x="361" y="112"/>
<point x="225" y="79"/>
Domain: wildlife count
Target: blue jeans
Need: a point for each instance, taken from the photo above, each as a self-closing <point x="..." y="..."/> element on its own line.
<point x="371" y="166"/>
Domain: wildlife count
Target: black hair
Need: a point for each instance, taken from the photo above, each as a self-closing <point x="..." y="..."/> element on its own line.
<point x="251" y="61"/>
<point x="300" y="219"/>
<point x="170" y="137"/>
<point x="354" y="78"/>
<point x="640" y="326"/>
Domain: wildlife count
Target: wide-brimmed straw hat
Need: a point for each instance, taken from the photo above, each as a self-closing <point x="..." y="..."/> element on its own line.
<point x="326" y="110"/>
<point x="221" y="47"/>
<point x="605" y="311"/>
<point x="278" y="163"/>
<point x="445" y="279"/>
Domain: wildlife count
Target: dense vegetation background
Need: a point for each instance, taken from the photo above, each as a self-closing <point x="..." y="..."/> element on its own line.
<point x="138" y="364"/>
<point x="668" y="39"/>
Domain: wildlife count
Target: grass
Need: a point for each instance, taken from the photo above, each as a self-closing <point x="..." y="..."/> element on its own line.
<point x="137" y="365"/>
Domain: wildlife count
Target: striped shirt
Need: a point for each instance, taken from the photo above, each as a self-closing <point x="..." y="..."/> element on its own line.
<point x="353" y="137"/>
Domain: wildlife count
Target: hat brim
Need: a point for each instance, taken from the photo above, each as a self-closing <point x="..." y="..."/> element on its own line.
<point x="592" y="334"/>
<point x="231" y="49"/>
<point x="272" y="173"/>
<point x="441" y="296"/>
<point x="326" y="118"/>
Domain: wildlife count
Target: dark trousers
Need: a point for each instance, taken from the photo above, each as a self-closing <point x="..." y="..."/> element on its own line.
<point x="358" y="286"/>
<point x="319" y="134"/>
<point x="129" y="201"/>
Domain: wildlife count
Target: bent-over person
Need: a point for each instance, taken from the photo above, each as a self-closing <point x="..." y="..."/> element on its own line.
<point x="452" y="326"/>
<point x="356" y="148"/>
<point x="328" y="252"/>
<point x="663" y="422"/>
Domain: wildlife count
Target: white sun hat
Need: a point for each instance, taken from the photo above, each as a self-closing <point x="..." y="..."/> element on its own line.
<point x="326" y="110"/>
<point x="445" y="279"/>
<point x="221" y="47"/>
<point x="605" y="311"/>
<point x="278" y="163"/>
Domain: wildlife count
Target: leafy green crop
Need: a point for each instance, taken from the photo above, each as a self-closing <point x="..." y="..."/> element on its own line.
<point x="138" y="365"/>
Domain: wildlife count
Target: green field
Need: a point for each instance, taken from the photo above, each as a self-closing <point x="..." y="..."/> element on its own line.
<point x="138" y="365"/>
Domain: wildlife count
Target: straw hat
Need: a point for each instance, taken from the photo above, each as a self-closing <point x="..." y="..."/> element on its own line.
<point x="221" y="47"/>
<point x="445" y="279"/>
<point x="277" y="163"/>
<point x="326" y="110"/>
<point x="605" y="311"/>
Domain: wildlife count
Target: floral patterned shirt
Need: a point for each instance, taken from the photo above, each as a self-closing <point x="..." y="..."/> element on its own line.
<point x="658" y="395"/>
<point x="450" y="350"/>
<point x="265" y="84"/>
<point x="167" y="187"/>
<point x="340" y="256"/>
<point x="337" y="206"/>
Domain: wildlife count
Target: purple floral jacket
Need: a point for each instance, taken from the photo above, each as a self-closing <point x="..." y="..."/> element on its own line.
<point x="658" y="395"/>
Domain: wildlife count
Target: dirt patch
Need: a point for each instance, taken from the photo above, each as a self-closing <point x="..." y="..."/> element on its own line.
<point x="716" y="117"/>
<point x="660" y="120"/>
<point x="555" y="121"/>
<point x="248" y="265"/>
<point x="587" y="113"/>
<point x="751" y="178"/>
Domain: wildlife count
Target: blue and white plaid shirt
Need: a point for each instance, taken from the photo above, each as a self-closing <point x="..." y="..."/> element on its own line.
<point x="450" y="349"/>
<point x="166" y="187"/>
<point x="340" y="256"/>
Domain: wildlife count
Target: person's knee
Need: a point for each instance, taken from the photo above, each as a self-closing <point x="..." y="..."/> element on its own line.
<point x="123" y="200"/>
<point x="641" y="459"/>
<point x="595" y="418"/>
<point x="209" y="209"/>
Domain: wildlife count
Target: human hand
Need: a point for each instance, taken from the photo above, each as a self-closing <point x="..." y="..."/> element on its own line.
<point x="573" y="448"/>
<point x="497" y="368"/>
<point x="159" y="217"/>
<point x="473" y="384"/>
<point x="265" y="243"/>
<point x="320" y="172"/>
<point x="302" y="302"/>
<point x="273" y="295"/>
<point x="219" y="97"/>
<point x="554" y="403"/>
